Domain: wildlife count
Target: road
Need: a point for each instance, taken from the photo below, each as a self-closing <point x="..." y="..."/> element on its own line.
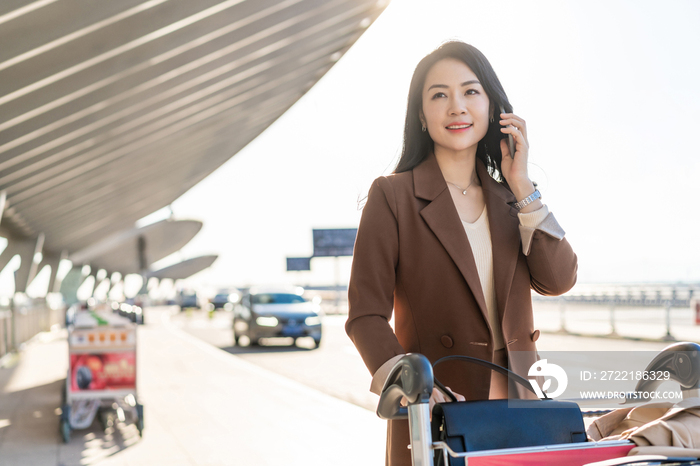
<point x="336" y="367"/>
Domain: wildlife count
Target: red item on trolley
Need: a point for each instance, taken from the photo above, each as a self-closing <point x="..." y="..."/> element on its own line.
<point x="569" y="455"/>
<point x="106" y="371"/>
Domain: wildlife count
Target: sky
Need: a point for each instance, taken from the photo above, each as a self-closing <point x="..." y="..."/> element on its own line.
<point x="610" y="96"/>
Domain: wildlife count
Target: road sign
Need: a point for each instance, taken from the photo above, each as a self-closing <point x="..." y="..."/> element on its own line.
<point x="298" y="263"/>
<point x="334" y="242"/>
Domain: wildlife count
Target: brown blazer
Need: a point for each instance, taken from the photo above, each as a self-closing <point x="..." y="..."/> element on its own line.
<point x="412" y="256"/>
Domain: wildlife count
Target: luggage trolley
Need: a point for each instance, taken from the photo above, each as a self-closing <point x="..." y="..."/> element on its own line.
<point x="412" y="377"/>
<point x="101" y="372"/>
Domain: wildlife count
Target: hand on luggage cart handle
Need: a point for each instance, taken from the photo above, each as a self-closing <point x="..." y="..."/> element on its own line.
<point x="411" y="377"/>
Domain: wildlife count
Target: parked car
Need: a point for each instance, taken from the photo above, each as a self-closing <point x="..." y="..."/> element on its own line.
<point x="188" y="300"/>
<point x="130" y="311"/>
<point x="276" y="312"/>
<point x="224" y="300"/>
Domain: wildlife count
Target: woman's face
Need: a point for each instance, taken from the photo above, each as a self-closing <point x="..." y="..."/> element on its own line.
<point x="455" y="107"/>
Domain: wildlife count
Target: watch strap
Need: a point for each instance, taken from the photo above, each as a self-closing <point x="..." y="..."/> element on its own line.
<point x="528" y="200"/>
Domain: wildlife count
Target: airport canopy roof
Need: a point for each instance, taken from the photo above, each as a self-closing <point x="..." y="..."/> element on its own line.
<point x="110" y="111"/>
<point x="184" y="269"/>
<point x="133" y="251"/>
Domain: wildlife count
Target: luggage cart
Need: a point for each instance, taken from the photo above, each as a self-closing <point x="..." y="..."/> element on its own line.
<point x="101" y="373"/>
<point x="412" y="377"/>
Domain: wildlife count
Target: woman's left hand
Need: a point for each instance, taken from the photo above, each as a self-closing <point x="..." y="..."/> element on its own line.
<point x="514" y="170"/>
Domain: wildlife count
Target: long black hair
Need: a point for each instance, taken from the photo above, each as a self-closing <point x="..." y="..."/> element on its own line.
<point x="417" y="144"/>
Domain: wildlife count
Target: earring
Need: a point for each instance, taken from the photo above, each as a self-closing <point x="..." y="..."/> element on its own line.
<point x="424" y="129"/>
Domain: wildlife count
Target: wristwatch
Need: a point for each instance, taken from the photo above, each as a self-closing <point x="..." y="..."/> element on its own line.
<point x="528" y="200"/>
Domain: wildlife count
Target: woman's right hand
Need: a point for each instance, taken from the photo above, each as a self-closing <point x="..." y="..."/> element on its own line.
<point x="437" y="397"/>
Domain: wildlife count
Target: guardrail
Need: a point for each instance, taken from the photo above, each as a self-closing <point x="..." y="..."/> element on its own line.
<point x="21" y="322"/>
<point x="619" y="297"/>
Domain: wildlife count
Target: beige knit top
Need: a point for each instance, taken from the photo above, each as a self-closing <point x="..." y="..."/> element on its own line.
<point x="479" y="236"/>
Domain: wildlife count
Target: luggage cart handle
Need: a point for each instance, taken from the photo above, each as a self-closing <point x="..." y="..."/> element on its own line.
<point x="412" y="377"/>
<point x="682" y="362"/>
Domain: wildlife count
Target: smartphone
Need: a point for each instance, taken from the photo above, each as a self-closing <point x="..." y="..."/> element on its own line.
<point x="511" y="142"/>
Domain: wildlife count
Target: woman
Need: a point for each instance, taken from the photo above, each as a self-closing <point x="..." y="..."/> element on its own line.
<point x="454" y="240"/>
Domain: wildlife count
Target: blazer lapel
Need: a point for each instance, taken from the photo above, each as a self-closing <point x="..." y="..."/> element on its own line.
<point x="505" y="234"/>
<point x="442" y="218"/>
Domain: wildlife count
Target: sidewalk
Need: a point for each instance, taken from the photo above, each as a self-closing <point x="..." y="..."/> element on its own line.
<point x="202" y="407"/>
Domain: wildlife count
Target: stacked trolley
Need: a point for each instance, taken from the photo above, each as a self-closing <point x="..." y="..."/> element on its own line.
<point x="101" y="373"/>
<point x="412" y="378"/>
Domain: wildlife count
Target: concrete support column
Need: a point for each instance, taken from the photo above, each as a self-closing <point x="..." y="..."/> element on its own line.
<point x="53" y="261"/>
<point x="143" y="265"/>
<point x="70" y="284"/>
<point x="102" y="283"/>
<point x="113" y="282"/>
<point x="27" y="249"/>
<point x="3" y="202"/>
<point x="120" y="283"/>
<point x="56" y="283"/>
<point x="93" y="274"/>
<point x="6" y="256"/>
<point x="156" y="284"/>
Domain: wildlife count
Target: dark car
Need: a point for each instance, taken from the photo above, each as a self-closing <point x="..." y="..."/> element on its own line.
<point x="270" y="313"/>
<point x="130" y="311"/>
<point x="224" y="300"/>
<point x="187" y="300"/>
